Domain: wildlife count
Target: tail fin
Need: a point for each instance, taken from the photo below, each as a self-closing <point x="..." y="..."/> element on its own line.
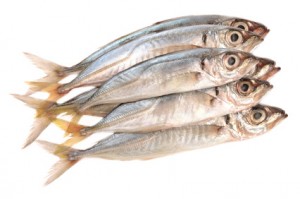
<point x="45" y="86"/>
<point x="43" y="117"/>
<point x="70" y="128"/>
<point x="49" y="83"/>
<point x="63" y="164"/>
<point x="75" y="120"/>
<point x="54" y="71"/>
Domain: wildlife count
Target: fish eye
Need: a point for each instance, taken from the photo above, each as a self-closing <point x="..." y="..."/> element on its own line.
<point x="231" y="61"/>
<point x="245" y="87"/>
<point x="241" y="25"/>
<point x="258" y="116"/>
<point x="234" y="38"/>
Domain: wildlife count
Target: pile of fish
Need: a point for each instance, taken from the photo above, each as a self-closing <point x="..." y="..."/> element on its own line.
<point x="177" y="85"/>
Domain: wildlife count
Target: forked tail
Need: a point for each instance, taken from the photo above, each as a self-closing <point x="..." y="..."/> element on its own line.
<point x="63" y="164"/>
<point x="50" y="82"/>
<point x="44" y="115"/>
<point x="71" y="129"/>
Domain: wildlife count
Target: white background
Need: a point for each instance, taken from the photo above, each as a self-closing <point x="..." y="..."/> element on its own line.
<point x="67" y="31"/>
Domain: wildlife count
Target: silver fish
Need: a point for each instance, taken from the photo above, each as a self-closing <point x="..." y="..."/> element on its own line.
<point x="177" y="109"/>
<point x="264" y="70"/>
<point x="56" y="72"/>
<point x="239" y="126"/>
<point x="50" y="110"/>
<point x="245" y="24"/>
<point x="156" y="44"/>
<point x="174" y="73"/>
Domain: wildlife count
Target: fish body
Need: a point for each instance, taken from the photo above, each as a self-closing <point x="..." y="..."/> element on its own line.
<point x="252" y="26"/>
<point x="181" y="109"/>
<point x="130" y="146"/>
<point x="156" y="44"/>
<point x="232" y="127"/>
<point x="176" y="72"/>
<point x="238" y="126"/>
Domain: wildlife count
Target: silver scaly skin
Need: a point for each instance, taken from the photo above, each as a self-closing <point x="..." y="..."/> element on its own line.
<point x="181" y="109"/>
<point x="252" y="26"/>
<point x="161" y="43"/>
<point x="176" y="72"/>
<point x="238" y="126"/>
<point x="49" y="110"/>
<point x="264" y="70"/>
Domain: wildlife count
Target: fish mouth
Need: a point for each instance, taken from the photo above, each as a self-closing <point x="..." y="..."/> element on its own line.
<point x="276" y="115"/>
<point x="281" y="116"/>
<point x="265" y="69"/>
<point x="261" y="31"/>
<point x="261" y="90"/>
<point x="271" y="73"/>
<point x="266" y="61"/>
<point x="252" y="42"/>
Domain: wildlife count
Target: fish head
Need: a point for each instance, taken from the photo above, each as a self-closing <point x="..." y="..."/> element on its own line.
<point x="255" y="121"/>
<point x="230" y="37"/>
<point x="228" y="65"/>
<point x="244" y="93"/>
<point x="264" y="70"/>
<point x="246" y="25"/>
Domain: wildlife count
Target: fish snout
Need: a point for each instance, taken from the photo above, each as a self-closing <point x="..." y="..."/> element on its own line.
<point x="265" y="61"/>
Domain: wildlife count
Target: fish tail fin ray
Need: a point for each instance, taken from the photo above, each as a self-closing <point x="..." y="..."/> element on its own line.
<point x="42" y="120"/>
<point x="72" y="129"/>
<point x="48" y="87"/>
<point x="63" y="164"/>
<point x="54" y="72"/>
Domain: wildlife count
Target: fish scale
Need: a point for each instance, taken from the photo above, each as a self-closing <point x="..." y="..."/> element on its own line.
<point x="126" y="110"/>
<point x="128" y="146"/>
<point x="167" y="41"/>
<point x="177" y="109"/>
<point x="172" y="73"/>
<point x="162" y="26"/>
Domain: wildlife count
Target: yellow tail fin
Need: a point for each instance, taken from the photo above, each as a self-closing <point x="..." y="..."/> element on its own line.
<point x="42" y="118"/>
<point x="72" y="129"/>
<point x="49" y="83"/>
<point x="44" y="115"/>
<point x="75" y="120"/>
<point x="63" y="164"/>
<point x="47" y="87"/>
<point x="53" y="71"/>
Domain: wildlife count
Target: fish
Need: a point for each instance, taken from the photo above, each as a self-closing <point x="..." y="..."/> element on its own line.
<point x="56" y="72"/>
<point x="150" y="46"/>
<point x="244" y="24"/>
<point x="246" y="124"/>
<point x="49" y="110"/>
<point x="174" y="73"/>
<point x="264" y="70"/>
<point x="161" y="43"/>
<point x="176" y="110"/>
